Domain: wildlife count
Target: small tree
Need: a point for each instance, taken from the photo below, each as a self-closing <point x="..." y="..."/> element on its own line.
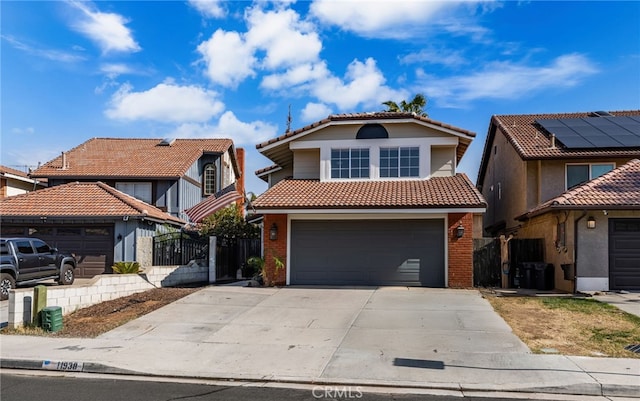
<point x="229" y="223"/>
<point x="416" y="105"/>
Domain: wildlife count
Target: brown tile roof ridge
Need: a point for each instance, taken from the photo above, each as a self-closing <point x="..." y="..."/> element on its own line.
<point x="13" y="171"/>
<point x="619" y="188"/>
<point x="131" y="157"/>
<point x="364" y="116"/>
<point x="87" y="199"/>
<point x="437" y="192"/>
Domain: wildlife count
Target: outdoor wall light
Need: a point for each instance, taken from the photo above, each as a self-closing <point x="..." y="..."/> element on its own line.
<point x="591" y="222"/>
<point x="273" y="232"/>
<point x="119" y="237"/>
<point x="460" y="231"/>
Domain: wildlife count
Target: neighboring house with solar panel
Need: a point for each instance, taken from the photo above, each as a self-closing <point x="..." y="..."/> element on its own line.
<point x="182" y="181"/>
<point x="369" y="199"/>
<point x="572" y="179"/>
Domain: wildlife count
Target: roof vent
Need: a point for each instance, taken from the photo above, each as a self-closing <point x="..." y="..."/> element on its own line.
<point x="167" y="142"/>
<point x="601" y="114"/>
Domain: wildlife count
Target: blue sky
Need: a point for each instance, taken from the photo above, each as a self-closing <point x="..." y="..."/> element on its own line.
<point x="73" y="70"/>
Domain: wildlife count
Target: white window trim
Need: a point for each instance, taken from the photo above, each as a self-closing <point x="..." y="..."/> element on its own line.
<point x="423" y="144"/>
<point x="350" y="178"/>
<point x="566" y="170"/>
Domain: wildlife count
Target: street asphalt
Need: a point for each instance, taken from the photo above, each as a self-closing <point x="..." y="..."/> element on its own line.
<point x="396" y="337"/>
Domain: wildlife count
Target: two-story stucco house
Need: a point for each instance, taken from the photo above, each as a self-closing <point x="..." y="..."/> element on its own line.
<point x="570" y="179"/>
<point x="369" y="199"/>
<point x="141" y="184"/>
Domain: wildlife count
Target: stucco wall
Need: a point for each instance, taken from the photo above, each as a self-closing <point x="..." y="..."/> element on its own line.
<point x="306" y="164"/>
<point x="443" y="161"/>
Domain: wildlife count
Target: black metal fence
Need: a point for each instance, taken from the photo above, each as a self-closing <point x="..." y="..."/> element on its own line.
<point x="179" y="249"/>
<point x="232" y="254"/>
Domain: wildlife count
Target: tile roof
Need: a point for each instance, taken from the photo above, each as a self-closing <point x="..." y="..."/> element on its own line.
<point x="383" y="115"/>
<point x="437" y="192"/>
<point x="617" y="189"/>
<point x="85" y="199"/>
<point x="531" y="141"/>
<point x="12" y="171"/>
<point x="126" y="157"/>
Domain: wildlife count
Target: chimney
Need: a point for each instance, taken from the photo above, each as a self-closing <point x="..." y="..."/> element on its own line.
<point x="240" y="180"/>
<point x="64" y="161"/>
<point x="553" y="141"/>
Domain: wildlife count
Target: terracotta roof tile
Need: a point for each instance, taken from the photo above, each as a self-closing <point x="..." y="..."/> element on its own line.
<point x="438" y="192"/>
<point x="364" y="116"/>
<point x="617" y="189"/>
<point x="531" y="141"/>
<point x="125" y="157"/>
<point x="13" y="171"/>
<point x="86" y="199"/>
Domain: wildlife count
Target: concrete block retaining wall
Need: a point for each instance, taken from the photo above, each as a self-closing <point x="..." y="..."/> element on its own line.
<point x="102" y="288"/>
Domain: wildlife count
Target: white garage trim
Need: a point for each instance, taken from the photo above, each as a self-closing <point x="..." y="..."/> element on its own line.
<point x="371" y="216"/>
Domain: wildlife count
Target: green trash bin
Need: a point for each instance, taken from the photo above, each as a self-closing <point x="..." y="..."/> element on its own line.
<point x="51" y="318"/>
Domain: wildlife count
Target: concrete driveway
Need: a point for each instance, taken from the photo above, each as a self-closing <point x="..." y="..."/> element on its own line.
<point x="319" y="332"/>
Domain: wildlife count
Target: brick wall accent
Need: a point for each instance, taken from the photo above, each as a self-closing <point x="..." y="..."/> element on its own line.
<point x="240" y="180"/>
<point x="277" y="248"/>
<point x="460" y="251"/>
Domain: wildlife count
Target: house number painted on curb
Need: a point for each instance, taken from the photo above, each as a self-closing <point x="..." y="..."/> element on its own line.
<point x="65" y="366"/>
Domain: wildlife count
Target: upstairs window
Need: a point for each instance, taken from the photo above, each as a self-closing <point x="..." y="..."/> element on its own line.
<point x="580" y="173"/>
<point x="209" y="179"/>
<point x="399" y="162"/>
<point x="139" y="190"/>
<point x="349" y="163"/>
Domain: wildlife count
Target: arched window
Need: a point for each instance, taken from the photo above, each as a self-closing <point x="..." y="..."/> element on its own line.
<point x="209" y="179"/>
<point x="372" y="131"/>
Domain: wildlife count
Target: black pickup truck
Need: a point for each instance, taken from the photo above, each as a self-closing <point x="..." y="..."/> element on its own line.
<point x="30" y="260"/>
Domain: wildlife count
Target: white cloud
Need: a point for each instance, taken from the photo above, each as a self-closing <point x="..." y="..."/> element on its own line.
<point x="49" y="54"/>
<point x="294" y="76"/>
<point x="209" y="8"/>
<point x="23" y="131"/>
<point x="228" y="58"/>
<point x="228" y="126"/>
<point x="165" y="102"/>
<point x="446" y="57"/>
<point x="505" y="80"/>
<point x="108" y="30"/>
<point x="393" y="19"/>
<point x="363" y="85"/>
<point x="315" y="112"/>
<point x="286" y="40"/>
<point x="115" y="69"/>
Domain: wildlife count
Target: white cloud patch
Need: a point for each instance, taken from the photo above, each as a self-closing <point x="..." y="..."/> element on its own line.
<point x="116" y="69"/>
<point x="209" y="8"/>
<point x="283" y="36"/>
<point x="166" y="102"/>
<point x="228" y="126"/>
<point x="363" y="85"/>
<point x="23" y="131"/>
<point x="392" y="19"/>
<point x="228" y="58"/>
<point x="315" y="112"/>
<point x="505" y="80"/>
<point x="446" y="57"/>
<point x="294" y="76"/>
<point x="108" y="30"/>
<point x="49" y="54"/>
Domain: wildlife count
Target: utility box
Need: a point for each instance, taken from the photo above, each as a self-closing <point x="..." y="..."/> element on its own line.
<point x="51" y="318"/>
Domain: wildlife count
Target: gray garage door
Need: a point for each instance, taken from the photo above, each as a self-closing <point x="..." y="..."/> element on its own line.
<point x="368" y="252"/>
<point x="624" y="254"/>
<point x="93" y="246"/>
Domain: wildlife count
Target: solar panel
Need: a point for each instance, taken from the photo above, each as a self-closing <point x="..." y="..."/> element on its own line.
<point x="595" y="132"/>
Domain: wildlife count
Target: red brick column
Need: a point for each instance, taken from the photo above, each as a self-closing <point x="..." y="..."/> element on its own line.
<point x="275" y="248"/>
<point x="240" y="180"/>
<point x="460" y="251"/>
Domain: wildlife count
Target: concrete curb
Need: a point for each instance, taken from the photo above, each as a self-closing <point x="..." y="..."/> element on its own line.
<point x="579" y="389"/>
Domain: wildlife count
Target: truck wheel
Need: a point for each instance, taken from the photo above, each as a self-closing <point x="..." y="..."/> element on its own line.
<point x="67" y="275"/>
<point x="7" y="282"/>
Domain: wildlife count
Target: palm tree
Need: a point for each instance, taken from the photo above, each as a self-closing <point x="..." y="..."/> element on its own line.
<point x="416" y="106"/>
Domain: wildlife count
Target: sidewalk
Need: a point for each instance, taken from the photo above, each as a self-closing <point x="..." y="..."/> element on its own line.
<point x="451" y="342"/>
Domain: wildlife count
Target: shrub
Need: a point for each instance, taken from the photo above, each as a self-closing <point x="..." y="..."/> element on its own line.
<point x="126" y="267"/>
